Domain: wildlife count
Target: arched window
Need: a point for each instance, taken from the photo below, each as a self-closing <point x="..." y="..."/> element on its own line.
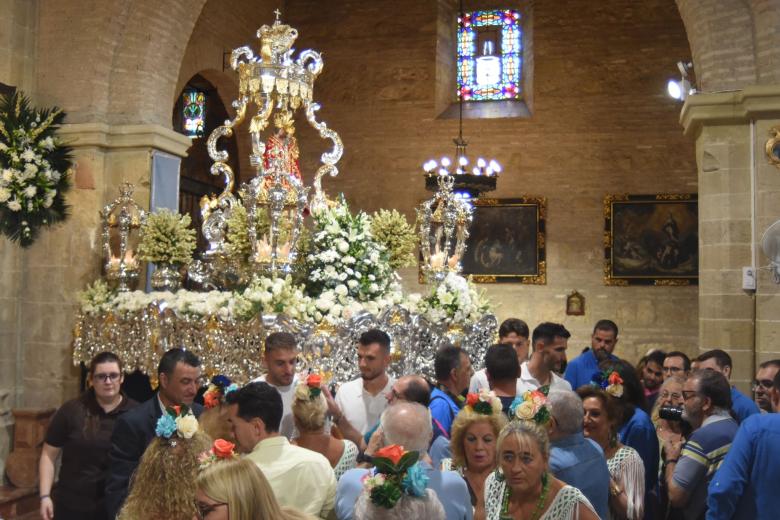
<point x="193" y="112"/>
<point x="490" y="60"/>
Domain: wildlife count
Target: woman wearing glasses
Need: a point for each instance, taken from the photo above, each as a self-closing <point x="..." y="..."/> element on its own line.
<point x="81" y="432"/>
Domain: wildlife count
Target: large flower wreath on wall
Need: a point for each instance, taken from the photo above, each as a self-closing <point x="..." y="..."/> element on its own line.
<point x="34" y="167"/>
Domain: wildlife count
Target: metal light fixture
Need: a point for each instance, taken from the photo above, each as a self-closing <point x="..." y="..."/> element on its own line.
<point x="682" y="88"/>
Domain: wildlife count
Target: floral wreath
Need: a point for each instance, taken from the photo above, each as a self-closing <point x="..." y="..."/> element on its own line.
<point x="178" y="421"/>
<point x="397" y="473"/>
<point x="609" y="381"/>
<point x="220" y="387"/>
<point x="531" y="406"/>
<point x="34" y="169"/>
<point x="220" y="450"/>
<point x="485" y="402"/>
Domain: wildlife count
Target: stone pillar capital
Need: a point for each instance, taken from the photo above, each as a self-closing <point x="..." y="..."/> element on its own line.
<point x="729" y="108"/>
<point x="135" y="137"/>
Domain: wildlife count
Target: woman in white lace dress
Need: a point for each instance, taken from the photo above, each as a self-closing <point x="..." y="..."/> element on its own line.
<point x="627" y="485"/>
<point x="473" y="444"/>
<point x="521" y="487"/>
<point x="309" y="411"/>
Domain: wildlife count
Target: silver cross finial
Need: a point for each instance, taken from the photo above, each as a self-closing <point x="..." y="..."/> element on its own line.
<point x="278" y="14"/>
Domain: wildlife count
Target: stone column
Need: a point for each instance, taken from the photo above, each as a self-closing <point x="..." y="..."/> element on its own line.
<point x="737" y="201"/>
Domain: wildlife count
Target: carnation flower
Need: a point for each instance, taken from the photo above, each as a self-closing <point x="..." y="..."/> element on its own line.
<point x="187" y="426"/>
<point x="14" y="205"/>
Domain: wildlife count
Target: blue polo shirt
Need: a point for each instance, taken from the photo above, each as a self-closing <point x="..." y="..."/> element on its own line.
<point x="746" y="484"/>
<point x="580" y="462"/>
<point x="580" y="370"/>
<point x="742" y="405"/>
<point x="443" y="411"/>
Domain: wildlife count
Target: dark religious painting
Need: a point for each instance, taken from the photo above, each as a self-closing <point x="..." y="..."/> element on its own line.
<point x="506" y="241"/>
<point x="651" y="239"/>
<point x="6" y="90"/>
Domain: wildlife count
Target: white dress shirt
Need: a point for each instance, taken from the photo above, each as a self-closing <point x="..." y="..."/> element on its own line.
<point x="525" y="382"/>
<point x="287" y="426"/>
<point x="362" y="409"/>
<point x="300" y="478"/>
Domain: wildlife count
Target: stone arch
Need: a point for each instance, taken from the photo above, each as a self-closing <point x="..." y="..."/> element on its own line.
<point x="721" y="36"/>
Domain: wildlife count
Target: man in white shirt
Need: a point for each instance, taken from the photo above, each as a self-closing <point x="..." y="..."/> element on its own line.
<point x="550" y="341"/>
<point x="281" y="358"/>
<point x="362" y="400"/>
<point x="513" y="332"/>
<point x="300" y="478"/>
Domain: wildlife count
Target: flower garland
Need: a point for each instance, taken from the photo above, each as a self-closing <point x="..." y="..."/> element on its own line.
<point x="609" y="381"/>
<point x="393" y="231"/>
<point x="485" y="402"/>
<point x="531" y="406"/>
<point x="220" y="450"/>
<point x="398" y="473"/>
<point x="167" y="237"/>
<point x="177" y="420"/>
<point x="274" y="296"/>
<point x="220" y="387"/>
<point x="456" y="299"/>
<point x="34" y="167"/>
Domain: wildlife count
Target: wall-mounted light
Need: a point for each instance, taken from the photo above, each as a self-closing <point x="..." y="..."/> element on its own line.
<point x="682" y="88"/>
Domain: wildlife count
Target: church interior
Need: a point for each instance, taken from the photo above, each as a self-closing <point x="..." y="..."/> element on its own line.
<point x="593" y="120"/>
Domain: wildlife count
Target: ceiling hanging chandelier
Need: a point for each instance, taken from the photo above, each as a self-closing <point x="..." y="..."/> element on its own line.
<point x="469" y="179"/>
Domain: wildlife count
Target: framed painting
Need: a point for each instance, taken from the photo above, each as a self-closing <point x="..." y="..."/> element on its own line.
<point x="651" y="239"/>
<point x="506" y="241"/>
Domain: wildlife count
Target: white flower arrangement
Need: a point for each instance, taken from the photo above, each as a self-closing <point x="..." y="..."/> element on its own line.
<point x="454" y="299"/>
<point x="274" y="296"/>
<point x="346" y="264"/>
<point x="97" y="298"/>
<point x="34" y="167"/>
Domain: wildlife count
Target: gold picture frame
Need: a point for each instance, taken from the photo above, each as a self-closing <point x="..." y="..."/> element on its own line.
<point x="506" y="241"/>
<point x="651" y="239"/>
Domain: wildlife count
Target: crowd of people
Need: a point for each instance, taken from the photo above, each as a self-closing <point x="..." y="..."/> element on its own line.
<point x="531" y="436"/>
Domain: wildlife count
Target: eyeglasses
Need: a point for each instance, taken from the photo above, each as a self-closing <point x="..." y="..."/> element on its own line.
<point x="113" y="376"/>
<point x="687" y="394"/>
<point x="673" y="395"/>
<point x="205" y="510"/>
<point x="766" y="384"/>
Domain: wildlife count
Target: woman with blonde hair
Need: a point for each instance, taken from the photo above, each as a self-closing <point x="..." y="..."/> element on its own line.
<point x="522" y="487"/>
<point x="473" y="444"/>
<point x="309" y="411"/>
<point x="161" y="488"/>
<point x="238" y="490"/>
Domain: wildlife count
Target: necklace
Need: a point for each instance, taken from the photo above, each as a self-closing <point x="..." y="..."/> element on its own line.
<point x="539" y="504"/>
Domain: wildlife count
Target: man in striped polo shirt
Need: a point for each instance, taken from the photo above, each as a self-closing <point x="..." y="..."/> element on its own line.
<point x="690" y="467"/>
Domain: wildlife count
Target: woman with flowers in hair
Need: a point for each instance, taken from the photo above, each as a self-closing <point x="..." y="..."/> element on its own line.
<point x="213" y="420"/>
<point x="161" y="487"/>
<point x="309" y="411"/>
<point x="627" y="472"/>
<point x="229" y="488"/>
<point x="522" y="487"/>
<point x="473" y="444"/>
<point x="398" y="489"/>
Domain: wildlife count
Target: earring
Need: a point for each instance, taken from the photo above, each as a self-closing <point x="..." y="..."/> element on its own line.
<point x="500" y="474"/>
<point x="613" y="439"/>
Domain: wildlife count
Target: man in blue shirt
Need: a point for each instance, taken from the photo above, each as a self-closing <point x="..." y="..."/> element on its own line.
<point x="720" y="361"/>
<point x="453" y="372"/>
<point x="580" y="370"/>
<point x="745" y="486"/>
<point x="574" y="459"/>
<point x="408" y="425"/>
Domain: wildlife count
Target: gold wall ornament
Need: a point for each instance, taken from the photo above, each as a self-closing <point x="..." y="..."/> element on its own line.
<point x="651" y="239"/>
<point x="773" y="146"/>
<point x="121" y="223"/>
<point x="575" y="304"/>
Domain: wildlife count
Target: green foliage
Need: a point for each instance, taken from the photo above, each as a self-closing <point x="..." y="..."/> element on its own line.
<point x="391" y="229"/>
<point x="167" y="237"/>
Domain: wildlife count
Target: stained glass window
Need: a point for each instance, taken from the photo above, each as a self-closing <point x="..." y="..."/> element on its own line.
<point x="194" y="112"/>
<point x="490" y="55"/>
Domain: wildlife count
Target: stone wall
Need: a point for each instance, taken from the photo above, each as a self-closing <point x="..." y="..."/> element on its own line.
<point x="601" y="123"/>
<point x="18" y="29"/>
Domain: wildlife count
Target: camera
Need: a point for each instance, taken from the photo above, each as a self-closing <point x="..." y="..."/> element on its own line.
<point x="670" y="413"/>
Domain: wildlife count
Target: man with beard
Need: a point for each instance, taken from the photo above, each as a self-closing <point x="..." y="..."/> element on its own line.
<point x="690" y="467"/>
<point x="762" y="386"/>
<point x="602" y="343"/>
<point x="550" y="341"/>
<point x="362" y="400"/>
<point x="281" y="358"/>
<point x="652" y="376"/>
